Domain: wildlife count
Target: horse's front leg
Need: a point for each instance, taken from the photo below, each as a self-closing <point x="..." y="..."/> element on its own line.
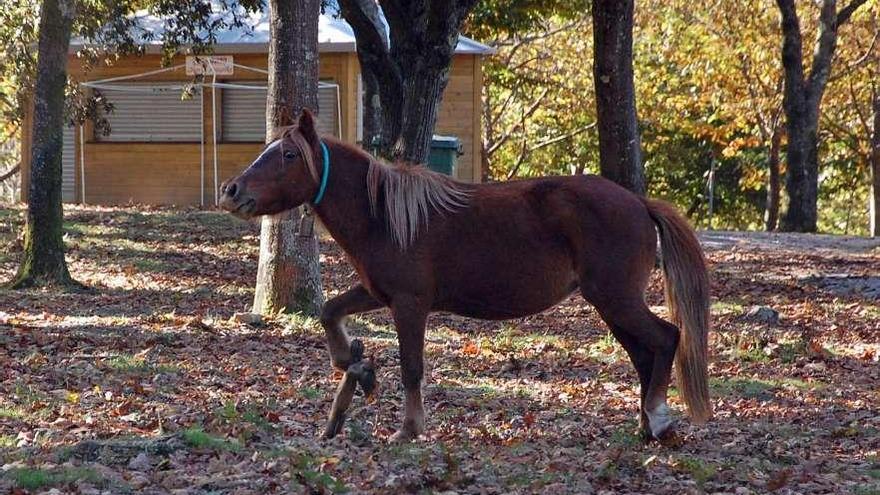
<point x="345" y="354"/>
<point x="353" y="301"/>
<point x="410" y="314"/>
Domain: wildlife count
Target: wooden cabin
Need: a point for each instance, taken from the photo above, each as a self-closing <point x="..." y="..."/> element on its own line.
<point x="174" y="144"/>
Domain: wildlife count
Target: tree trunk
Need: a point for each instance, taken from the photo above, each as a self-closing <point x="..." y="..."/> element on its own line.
<point x="875" y="168"/>
<point x="771" y="213"/>
<point x="619" y="143"/>
<point x="43" y="261"/>
<point x="801" y="101"/>
<point x="405" y="69"/>
<point x="422" y="92"/>
<point x="288" y="275"/>
<point x="802" y="175"/>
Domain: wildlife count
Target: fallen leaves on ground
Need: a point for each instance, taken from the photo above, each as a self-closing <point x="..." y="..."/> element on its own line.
<point x="149" y="383"/>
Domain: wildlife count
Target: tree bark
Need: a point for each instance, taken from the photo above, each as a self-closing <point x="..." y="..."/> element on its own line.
<point x="875" y="167"/>
<point x="288" y="274"/>
<point x="43" y="262"/>
<point x="771" y="213"/>
<point x="422" y="92"/>
<point x="404" y="70"/>
<point x="801" y="101"/>
<point x="619" y="144"/>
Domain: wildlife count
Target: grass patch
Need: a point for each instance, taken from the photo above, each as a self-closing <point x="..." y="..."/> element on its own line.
<point x="231" y="413"/>
<point x="197" y="438"/>
<point x="10" y="413"/>
<point x="310" y="393"/>
<point x="727" y="307"/>
<point x="743" y="387"/>
<point x="511" y="340"/>
<point x="606" y="350"/>
<point x="698" y="469"/>
<point x="126" y="363"/>
<point x="758" y="388"/>
<point x="307" y="476"/>
<point x="149" y="265"/>
<point x="34" y="479"/>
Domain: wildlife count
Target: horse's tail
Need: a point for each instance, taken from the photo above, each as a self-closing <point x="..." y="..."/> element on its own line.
<point x="687" y="295"/>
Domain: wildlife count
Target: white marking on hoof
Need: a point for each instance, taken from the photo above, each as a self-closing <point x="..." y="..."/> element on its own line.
<point x="659" y="420"/>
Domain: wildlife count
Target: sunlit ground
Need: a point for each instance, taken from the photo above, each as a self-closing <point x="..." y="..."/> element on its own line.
<point x="145" y="384"/>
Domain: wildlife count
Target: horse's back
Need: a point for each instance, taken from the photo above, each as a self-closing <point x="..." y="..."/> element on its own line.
<point x="519" y="247"/>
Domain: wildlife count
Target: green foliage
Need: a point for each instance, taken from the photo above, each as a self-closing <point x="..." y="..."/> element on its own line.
<point x="490" y="18"/>
<point x="305" y="470"/>
<point x="196" y="437"/>
<point x="708" y="92"/>
<point x="34" y="479"/>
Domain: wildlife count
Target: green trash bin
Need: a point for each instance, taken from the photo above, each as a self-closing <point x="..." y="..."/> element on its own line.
<point x="445" y="151"/>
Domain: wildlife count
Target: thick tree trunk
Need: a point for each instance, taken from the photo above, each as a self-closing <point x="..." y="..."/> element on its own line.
<point x="803" y="96"/>
<point x="802" y="175"/>
<point x="875" y="168"/>
<point x="771" y="213"/>
<point x="422" y="92"/>
<point x="405" y="69"/>
<point x="43" y="261"/>
<point x="288" y="275"/>
<point x="619" y="144"/>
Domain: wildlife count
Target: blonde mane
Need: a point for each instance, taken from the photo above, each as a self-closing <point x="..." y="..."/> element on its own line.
<point x="410" y="193"/>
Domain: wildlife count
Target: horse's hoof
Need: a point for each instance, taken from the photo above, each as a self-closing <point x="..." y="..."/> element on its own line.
<point x="333" y="428"/>
<point x="366" y="378"/>
<point x="670" y="438"/>
<point x="403" y="436"/>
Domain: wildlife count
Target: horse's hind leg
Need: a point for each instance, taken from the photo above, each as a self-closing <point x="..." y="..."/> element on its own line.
<point x="410" y="317"/>
<point x="651" y="343"/>
<point x="352" y="301"/>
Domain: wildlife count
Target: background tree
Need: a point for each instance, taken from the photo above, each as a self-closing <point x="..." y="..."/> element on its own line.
<point x="803" y="96"/>
<point x="850" y="135"/>
<point x="405" y="69"/>
<point x="538" y="114"/>
<point x="43" y="261"/>
<point x="288" y="274"/>
<point x="111" y="28"/>
<point x="619" y="145"/>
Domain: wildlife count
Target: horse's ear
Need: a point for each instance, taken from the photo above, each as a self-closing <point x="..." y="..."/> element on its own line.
<point x="307" y="126"/>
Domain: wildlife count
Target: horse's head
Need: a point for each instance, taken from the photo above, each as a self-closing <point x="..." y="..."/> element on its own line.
<point x="282" y="177"/>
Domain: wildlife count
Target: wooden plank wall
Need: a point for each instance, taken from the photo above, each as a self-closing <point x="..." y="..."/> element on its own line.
<point x="460" y="114"/>
<point x="169" y="173"/>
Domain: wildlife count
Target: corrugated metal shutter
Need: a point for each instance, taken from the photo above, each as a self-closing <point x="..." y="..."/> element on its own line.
<point x="244" y="114"/>
<point x="68" y="165"/>
<point x="328" y="116"/>
<point x="152" y="113"/>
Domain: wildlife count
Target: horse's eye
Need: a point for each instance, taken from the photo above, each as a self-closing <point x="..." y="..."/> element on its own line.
<point x="289" y="155"/>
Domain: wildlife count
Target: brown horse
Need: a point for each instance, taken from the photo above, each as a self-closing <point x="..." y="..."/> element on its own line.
<point x="422" y="242"/>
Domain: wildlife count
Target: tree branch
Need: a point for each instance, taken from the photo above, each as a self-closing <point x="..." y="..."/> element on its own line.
<point x="562" y="137"/>
<point x="14" y="170"/>
<point x="847" y="12"/>
<point x="826" y="42"/>
<point x="792" y="46"/>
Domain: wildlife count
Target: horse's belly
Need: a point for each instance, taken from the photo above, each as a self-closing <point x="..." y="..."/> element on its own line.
<point x="502" y="291"/>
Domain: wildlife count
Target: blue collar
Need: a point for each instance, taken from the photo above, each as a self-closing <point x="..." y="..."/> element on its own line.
<point x="325" y="173"/>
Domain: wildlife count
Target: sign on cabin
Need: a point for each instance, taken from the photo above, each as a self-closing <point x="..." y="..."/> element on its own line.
<point x="220" y="65"/>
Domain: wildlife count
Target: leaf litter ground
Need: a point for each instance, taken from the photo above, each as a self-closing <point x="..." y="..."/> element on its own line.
<point x="144" y="384"/>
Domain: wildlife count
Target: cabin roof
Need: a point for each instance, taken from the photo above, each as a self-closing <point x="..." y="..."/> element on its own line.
<point x="334" y="35"/>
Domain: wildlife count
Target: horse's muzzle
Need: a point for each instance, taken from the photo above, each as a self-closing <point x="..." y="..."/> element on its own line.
<point x="235" y="200"/>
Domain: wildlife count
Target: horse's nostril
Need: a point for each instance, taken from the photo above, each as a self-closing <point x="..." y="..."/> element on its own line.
<point x="231" y="190"/>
